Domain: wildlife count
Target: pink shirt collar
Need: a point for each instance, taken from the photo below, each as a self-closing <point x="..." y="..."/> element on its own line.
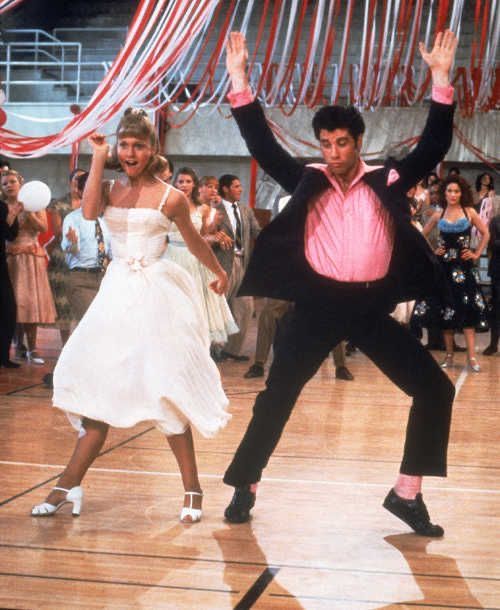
<point x="363" y="169"/>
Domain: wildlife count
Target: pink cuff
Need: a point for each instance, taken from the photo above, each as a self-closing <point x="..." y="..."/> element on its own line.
<point x="443" y="95"/>
<point x="240" y="98"/>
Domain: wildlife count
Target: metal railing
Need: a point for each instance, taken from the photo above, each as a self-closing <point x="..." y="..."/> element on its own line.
<point x="58" y="62"/>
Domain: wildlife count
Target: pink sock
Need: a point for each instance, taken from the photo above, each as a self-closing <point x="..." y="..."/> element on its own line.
<point x="408" y="486"/>
<point x="253" y="488"/>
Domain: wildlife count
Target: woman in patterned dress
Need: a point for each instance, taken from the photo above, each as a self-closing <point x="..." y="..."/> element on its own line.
<point x="455" y="223"/>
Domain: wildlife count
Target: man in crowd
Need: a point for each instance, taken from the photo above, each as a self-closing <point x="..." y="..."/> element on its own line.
<point x="239" y="222"/>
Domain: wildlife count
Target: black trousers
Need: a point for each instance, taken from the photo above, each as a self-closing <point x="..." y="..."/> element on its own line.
<point x="7" y="314"/>
<point x="303" y="341"/>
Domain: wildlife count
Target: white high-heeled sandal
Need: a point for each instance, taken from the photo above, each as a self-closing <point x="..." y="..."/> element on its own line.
<point x="74" y="496"/>
<point x="474" y="365"/>
<point x="189" y="511"/>
<point x="34" y="358"/>
<point x="448" y="361"/>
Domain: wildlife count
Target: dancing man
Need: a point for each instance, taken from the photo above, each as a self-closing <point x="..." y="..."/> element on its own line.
<point x="344" y="250"/>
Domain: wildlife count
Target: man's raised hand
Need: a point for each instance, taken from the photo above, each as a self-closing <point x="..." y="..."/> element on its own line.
<point x="441" y="57"/>
<point x="236" y="60"/>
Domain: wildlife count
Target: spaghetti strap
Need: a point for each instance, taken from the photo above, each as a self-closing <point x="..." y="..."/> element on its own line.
<point x="165" y="197"/>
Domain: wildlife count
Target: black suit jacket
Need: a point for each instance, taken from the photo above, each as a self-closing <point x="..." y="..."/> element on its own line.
<point x="278" y="267"/>
<point x="8" y="233"/>
<point x="494" y="249"/>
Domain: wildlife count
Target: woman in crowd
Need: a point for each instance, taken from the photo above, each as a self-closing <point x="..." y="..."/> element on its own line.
<point x="219" y="318"/>
<point x="485" y="188"/>
<point x="166" y="169"/>
<point x="483" y="203"/>
<point x="28" y="271"/>
<point x="141" y="351"/>
<point x="467" y="310"/>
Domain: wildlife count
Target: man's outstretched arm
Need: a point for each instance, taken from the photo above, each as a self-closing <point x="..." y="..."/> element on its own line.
<point x="252" y="123"/>
<point x="437" y="134"/>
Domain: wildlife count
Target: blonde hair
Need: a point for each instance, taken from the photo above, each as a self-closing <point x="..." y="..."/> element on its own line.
<point x="11" y="172"/>
<point x="135" y="123"/>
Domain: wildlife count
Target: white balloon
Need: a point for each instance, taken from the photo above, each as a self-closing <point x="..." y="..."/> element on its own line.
<point x="34" y="195"/>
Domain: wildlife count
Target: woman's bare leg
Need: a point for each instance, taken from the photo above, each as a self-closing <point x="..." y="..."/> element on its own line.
<point x="87" y="449"/>
<point x="470" y="342"/>
<point x="31" y="336"/>
<point x="448" y="341"/>
<point x="182" y="446"/>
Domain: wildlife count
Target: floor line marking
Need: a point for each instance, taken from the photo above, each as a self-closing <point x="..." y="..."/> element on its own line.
<point x="461" y="380"/>
<point x="264" y="479"/>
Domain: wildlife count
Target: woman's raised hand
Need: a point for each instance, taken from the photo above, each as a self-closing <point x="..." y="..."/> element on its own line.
<point x="98" y="143"/>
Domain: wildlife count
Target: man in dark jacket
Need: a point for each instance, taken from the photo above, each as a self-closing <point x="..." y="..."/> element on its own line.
<point x="494" y="273"/>
<point x="9" y="228"/>
<point x="344" y="250"/>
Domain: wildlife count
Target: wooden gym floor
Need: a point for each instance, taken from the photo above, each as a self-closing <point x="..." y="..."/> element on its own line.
<point x="319" y="539"/>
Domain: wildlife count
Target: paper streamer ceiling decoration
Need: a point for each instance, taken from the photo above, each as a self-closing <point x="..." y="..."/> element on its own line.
<point x="6" y="5"/>
<point x="301" y="54"/>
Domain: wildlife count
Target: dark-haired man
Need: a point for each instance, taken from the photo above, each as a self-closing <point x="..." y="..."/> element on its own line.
<point x="239" y="222"/>
<point x="344" y="250"/>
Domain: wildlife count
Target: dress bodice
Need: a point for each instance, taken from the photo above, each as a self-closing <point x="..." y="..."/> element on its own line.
<point x="137" y="233"/>
<point x="455" y="237"/>
<point x="174" y="235"/>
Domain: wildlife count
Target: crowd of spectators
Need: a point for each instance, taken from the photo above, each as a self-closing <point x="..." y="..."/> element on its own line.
<point x="52" y="261"/>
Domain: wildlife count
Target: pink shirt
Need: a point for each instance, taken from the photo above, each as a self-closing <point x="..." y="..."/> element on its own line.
<point x="349" y="236"/>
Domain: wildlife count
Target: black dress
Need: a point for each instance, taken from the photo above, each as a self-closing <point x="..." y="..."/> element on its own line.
<point x="468" y="307"/>
<point x="7" y="300"/>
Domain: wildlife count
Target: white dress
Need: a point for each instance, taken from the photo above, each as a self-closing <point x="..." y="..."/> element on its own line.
<point x="218" y="315"/>
<point x="141" y="352"/>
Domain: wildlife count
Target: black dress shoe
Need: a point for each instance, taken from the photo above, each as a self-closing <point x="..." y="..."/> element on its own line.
<point x="342" y="372"/>
<point x="235" y="357"/>
<point x="490" y="350"/>
<point x="256" y="370"/>
<point x="238" y="510"/>
<point x="8" y="364"/>
<point x="414" y="513"/>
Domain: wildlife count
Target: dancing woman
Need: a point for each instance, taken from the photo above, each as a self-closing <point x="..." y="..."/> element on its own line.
<point x="132" y="356"/>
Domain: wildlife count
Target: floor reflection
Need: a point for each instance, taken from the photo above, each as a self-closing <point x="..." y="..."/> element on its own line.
<point x="450" y="591"/>
<point x="242" y="554"/>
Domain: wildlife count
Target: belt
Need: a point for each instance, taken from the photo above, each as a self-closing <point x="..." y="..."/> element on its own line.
<point x="87" y="269"/>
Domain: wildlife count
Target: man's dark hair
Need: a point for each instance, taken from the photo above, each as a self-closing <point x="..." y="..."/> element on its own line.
<point x="225" y="181"/>
<point x="4" y="162"/>
<point x="81" y="181"/>
<point x="339" y="117"/>
<point x="454" y="170"/>
<point x="77" y="170"/>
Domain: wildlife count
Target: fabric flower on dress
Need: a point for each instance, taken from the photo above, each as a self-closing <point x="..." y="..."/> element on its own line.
<point x="458" y="276"/>
<point x="136" y="263"/>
